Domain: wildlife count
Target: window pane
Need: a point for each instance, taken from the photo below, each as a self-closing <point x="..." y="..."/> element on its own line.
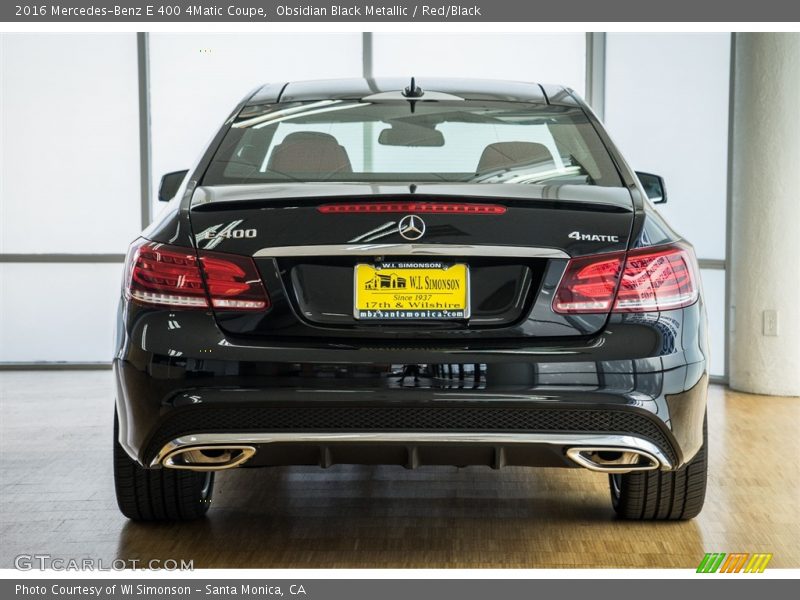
<point x="714" y="294"/>
<point x="667" y="109"/>
<point x="69" y="178"/>
<point x="62" y="312"/>
<point x="557" y="58"/>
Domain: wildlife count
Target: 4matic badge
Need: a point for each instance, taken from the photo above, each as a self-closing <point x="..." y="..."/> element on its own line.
<point x="592" y="237"/>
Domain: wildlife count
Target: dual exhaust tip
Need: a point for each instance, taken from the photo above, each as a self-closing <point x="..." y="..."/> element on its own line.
<point x="606" y="459"/>
<point x="208" y="458"/>
<point x="603" y="459"/>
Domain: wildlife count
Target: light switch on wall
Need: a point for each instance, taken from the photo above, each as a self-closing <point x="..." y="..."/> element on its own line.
<point x="770" y="322"/>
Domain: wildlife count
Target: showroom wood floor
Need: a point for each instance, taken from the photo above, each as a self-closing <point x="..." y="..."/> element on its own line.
<point x="57" y="498"/>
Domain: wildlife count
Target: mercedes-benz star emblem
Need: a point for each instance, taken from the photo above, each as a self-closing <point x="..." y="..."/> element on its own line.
<point x="411" y="227"/>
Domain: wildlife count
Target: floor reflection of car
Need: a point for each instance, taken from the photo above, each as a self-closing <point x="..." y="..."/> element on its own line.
<point x="244" y="344"/>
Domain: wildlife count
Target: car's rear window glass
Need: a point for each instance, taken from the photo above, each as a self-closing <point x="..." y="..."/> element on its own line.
<point x="387" y="141"/>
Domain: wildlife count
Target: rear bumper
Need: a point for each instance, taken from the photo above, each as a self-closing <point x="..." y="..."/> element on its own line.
<point x="639" y="384"/>
<point x="412" y="449"/>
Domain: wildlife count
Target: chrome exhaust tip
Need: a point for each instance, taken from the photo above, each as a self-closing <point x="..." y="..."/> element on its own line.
<point x="208" y="458"/>
<point x="613" y="460"/>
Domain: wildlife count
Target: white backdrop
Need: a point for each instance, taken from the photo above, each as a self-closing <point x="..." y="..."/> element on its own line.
<point x="69" y="183"/>
<point x="70" y="139"/>
<point x="667" y="109"/>
<point x="541" y="57"/>
<point x="196" y="80"/>
<point x="69" y="106"/>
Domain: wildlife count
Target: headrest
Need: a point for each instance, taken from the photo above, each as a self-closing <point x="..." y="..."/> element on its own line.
<point x="309" y="152"/>
<point x="506" y="155"/>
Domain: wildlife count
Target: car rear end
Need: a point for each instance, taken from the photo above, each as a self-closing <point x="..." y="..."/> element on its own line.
<point x="461" y="281"/>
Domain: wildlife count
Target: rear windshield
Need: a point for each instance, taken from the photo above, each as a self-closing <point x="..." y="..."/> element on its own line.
<point x="410" y="142"/>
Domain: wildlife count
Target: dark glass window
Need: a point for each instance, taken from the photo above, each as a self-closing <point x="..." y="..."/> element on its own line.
<point x="386" y="141"/>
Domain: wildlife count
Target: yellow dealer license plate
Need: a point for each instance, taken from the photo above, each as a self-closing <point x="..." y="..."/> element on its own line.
<point x="410" y="290"/>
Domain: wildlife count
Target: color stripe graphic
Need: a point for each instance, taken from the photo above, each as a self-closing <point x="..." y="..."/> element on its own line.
<point x="737" y="562"/>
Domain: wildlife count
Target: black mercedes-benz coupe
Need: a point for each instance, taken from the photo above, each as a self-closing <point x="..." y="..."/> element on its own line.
<point x="439" y="272"/>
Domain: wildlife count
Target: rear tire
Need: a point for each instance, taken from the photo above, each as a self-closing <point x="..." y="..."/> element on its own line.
<point x="663" y="495"/>
<point x="158" y="494"/>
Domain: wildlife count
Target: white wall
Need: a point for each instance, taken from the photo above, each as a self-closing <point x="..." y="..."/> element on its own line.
<point x="666" y="107"/>
<point x="541" y="57"/>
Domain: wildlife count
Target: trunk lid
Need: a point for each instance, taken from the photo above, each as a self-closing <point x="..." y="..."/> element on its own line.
<point x="514" y="257"/>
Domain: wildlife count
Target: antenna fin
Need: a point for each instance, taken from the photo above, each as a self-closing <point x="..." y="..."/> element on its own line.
<point x="413" y="90"/>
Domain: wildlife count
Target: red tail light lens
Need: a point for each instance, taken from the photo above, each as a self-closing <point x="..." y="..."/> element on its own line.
<point x="658" y="279"/>
<point x="589" y="283"/>
<point x="161" y="275"/>
<point x="164" y="275"/>
<point x="233" y="282"/>
<point x="651" y="279"/>
<point x="452" y="208"/>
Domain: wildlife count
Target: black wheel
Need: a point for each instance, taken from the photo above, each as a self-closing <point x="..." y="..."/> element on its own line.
<point x="663" y="495"/>
<point x="158" y="494"/>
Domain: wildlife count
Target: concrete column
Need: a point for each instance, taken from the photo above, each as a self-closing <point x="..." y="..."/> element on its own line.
<point x="764" y="259"/>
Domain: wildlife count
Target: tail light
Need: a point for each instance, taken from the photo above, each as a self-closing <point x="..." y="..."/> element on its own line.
<point x="648" y="279"/>
<point x="589" y="284"/>
<point x="659" y="278"/>
<point x="452" y="208"/>
<point x="162" y="275"/>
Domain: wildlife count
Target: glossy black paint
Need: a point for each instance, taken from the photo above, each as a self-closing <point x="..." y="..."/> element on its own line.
<point x="287" y="215"/>
<point x="653" y="362"/>
<point x="654" y="186"/>
<point x="173" y="362"/>
<point x="170" y="184"/>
